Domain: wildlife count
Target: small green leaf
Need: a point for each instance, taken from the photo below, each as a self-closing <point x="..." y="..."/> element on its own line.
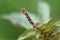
<point x="48" y="26"/>
<point x="57" y="30"/>
<point x="52" y="22"/>
<point x="27" y="34"/>
<point x="58" y="23"/>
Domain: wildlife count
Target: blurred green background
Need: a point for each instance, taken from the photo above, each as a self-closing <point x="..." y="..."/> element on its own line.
<point x="10" y="32"/>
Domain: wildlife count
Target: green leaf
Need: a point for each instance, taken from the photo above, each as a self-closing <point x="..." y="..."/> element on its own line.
<point x="57" y="30"/>
<point x="52" y="22"/>
<point x="49" y="26"/>
<point x="27" y="34"/>
<point x="58" y="23"/>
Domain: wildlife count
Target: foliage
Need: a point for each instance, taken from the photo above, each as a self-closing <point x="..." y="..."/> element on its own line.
<point x="44" y="28"/>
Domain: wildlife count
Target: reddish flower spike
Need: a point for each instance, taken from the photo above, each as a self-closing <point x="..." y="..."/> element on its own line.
<point x="24" y="11"/>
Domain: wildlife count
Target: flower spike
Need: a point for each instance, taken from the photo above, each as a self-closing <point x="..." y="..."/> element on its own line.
<point x="25" y="12"/>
